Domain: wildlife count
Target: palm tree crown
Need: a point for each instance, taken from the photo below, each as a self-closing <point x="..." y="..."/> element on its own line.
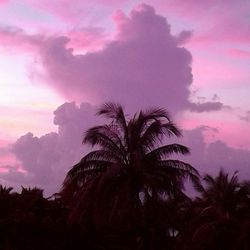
<point x="132" y="148"/>
<point x="129" y="163"/>
<point x="226" y="193"/>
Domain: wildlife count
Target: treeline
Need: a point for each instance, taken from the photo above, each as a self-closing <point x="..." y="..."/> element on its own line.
<point x="218" y="218"/>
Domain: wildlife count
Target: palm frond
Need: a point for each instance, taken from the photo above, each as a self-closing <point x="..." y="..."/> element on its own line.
<point x="181" y="169"/>
<point x="110" y="110"/>
<point x="170" y="129"/>
<point x="152" y="135"/>
<point x="209" y="180"/>
<point x="115" y="112"/>
<point x="90" y="166"/>
<point x="156" y="113"/>
<point x="84" y="171"/>
<point x="177" y="164"/>
<point x="102" y="154"/>
<point x="99" y="135"/>
<point x="112" y="131"/>
<point x="167" y="150"/>
<point x="199" y="187"/>
<point x="163" y="181"/>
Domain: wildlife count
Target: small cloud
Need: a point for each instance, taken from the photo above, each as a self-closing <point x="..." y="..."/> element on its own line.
<point x="215" y="98"/>
<point x="246" y="117"/>
<point x="184" y="37"/>
<point x="16" y="38"/>
<point x="202" y="105"/>
<point x="205" y="107"/>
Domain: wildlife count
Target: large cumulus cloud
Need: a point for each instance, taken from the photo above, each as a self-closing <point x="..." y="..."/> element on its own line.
<point x="144" y="64"/>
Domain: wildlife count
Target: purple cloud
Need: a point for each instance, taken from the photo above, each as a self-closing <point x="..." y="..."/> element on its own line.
<point x="144" y="63"/>
<point x="45" y="160"/>
<point x="205" y="107"/>
<point x="16" y="38"/>
<point x="210" y="157"/>
<point x="246" y="117"/>
<point x="234" y="18"/>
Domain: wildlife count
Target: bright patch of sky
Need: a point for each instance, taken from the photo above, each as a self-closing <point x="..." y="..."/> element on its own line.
<point x="23" y="103"/>
<point x="19" y="14"/>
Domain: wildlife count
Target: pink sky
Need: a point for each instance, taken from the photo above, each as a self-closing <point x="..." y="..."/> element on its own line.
<point x="190" y="57"/>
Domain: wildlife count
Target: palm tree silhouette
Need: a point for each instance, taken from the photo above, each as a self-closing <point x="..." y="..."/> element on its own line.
<point x="6" y="197"/>
<point x="222" y="216"/>
<point x="227" y="194"/>
<point x="128" y="164"/>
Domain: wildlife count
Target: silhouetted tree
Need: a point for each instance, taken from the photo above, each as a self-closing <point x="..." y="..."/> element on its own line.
<point x="221" y="217"/>
<point x="227" y="194"/>
<point x="106" y="186"/>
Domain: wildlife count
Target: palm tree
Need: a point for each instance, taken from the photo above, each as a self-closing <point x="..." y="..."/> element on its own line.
<point x="227" y="194"/>
<point x="6" y="198"/>
<point x="221" y="218"/>
<point x="128" y="164"/>
<point x="4" y="191"/>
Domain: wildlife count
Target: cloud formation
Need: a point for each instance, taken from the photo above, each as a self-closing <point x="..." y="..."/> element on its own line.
<point x="246" y="117"/>
<point x="44" y="161"/>
<point x="81" y="39"/>
<point x="144" y="63"/>
<point x="210" y="157"/>
<point x="205" y="107"/>
<point x="234" y="16"/>
<point x="16" y="38"/>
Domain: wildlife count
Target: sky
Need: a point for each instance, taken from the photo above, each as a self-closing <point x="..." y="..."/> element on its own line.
<point x="61" y="59"/>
